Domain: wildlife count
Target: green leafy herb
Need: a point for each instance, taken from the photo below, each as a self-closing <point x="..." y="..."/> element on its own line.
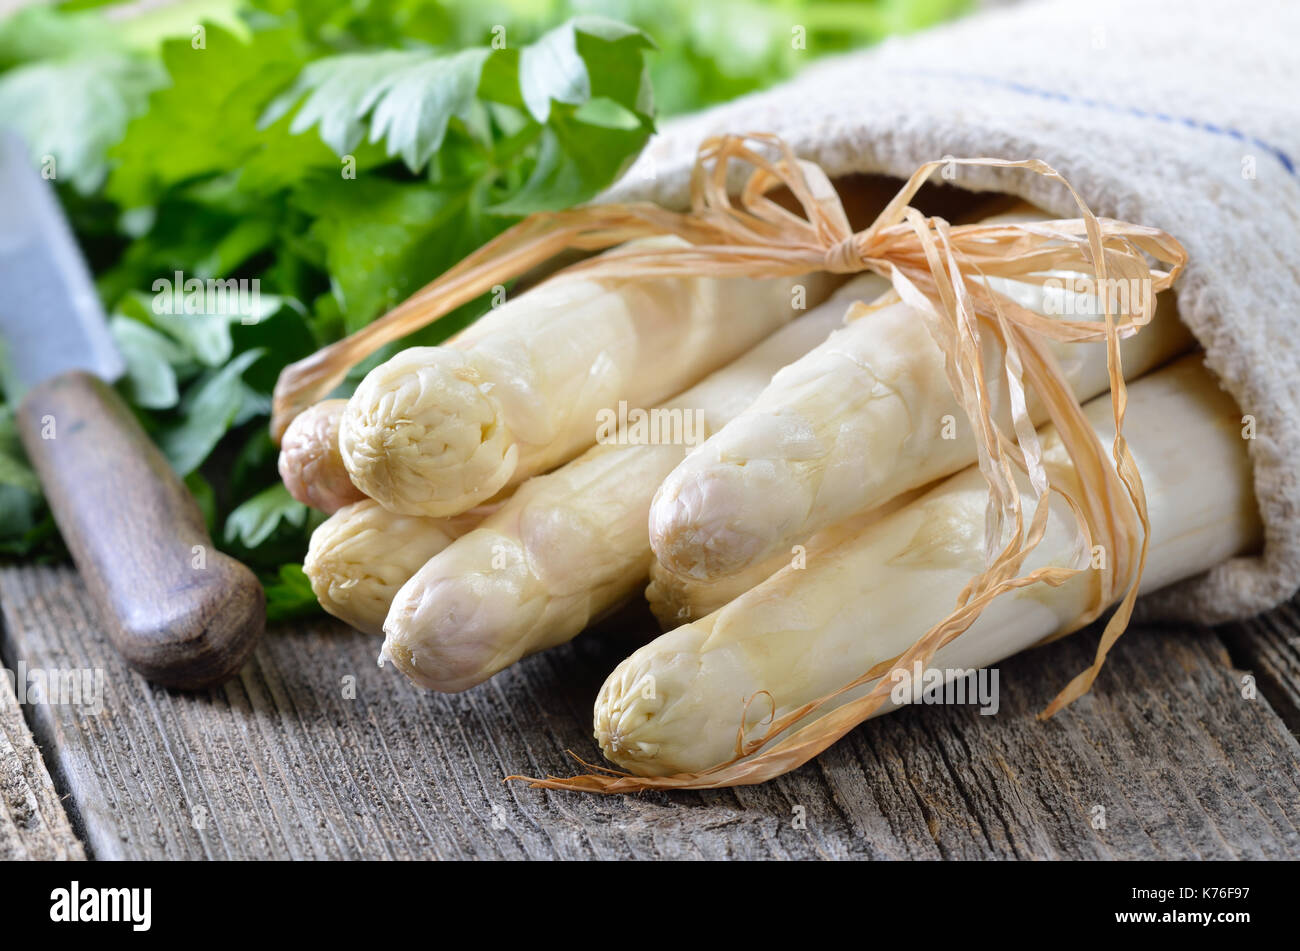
<point x="289" y="594"/>
<point x="151" y="358"/>
<point x="22" y="510"/>
<point x="14" y="470"/>
<point x="205" y="122"/>
<point x="258" y="518"/>
<point x="210" y="408"/>
<point x="204" y="495"/>
<point x="70" y="112"/>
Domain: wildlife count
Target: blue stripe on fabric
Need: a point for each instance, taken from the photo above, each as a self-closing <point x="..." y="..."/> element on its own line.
<point x="1283" y="158"/>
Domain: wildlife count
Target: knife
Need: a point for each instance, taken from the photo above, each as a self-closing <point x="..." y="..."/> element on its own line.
<point x="180" y="612"/>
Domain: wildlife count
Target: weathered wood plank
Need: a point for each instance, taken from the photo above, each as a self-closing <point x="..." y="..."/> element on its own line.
<point x="33" y="823"/>
<point x="1269" y="647"/>
<point x="314" y="752"/>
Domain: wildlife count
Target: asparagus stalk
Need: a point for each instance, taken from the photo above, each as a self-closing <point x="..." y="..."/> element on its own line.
<point x="675" y="600"/>
<point x="437" y="430"/>
<point x="360" y="557"/>
<point x="675" y="705"/>
<point x="570" y="545"/>
<point x="310" y="465"/>
<point x="864" y="417"/>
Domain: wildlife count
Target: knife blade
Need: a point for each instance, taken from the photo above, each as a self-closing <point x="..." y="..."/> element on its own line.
<point x="180" y="612"/>
<point x="45" y="285"/>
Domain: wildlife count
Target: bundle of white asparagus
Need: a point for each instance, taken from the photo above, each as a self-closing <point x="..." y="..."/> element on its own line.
<point x="795" y="505"/>
<point x="676" y="704"/>
<point x="569" y="546"/>
<point x="544" y="364"/>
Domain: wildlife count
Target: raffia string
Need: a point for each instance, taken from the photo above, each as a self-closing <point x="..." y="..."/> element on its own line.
<point x="940" y="271"/>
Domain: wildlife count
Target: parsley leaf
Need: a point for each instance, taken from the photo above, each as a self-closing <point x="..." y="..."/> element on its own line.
<point x="208" y="410"/>
<point x="289" y="594"/>
<point x="151" y="358"/>
<point x="559" y="67"/>
<point x="70" y="111"/>
<point x="205" y="122"/>
<point x="380" y="239"/>
<point x="408" y="97"/>
<point x="254" y="521"/>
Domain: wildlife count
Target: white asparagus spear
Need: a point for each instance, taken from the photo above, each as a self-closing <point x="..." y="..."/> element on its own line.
<point x="675" y="704"/>
<point x="436" y="430"/>
<point x="866" y="416"/>
<point x="360" y="557"/>
<point x="675" y="600"/>
<point x="570" y="545"/>
<point x="310" y="465"/>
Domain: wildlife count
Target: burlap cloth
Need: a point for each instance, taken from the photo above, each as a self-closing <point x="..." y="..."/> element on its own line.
<point x="1181" y="114"/>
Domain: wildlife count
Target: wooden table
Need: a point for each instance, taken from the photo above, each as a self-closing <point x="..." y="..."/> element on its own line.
<point x="314" y="752"/>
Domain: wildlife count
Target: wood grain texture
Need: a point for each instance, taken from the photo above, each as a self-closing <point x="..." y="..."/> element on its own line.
<point x="285" y="761"/>
<point x="181" y="612"/>
<point x="33" y="824"/>
<point x="1269" y="647"/>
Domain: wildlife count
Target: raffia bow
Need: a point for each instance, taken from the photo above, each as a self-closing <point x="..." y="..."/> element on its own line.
<point x="940" y="271"/>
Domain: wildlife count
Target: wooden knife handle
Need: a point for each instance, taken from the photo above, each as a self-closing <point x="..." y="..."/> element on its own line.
<point x="182" y="613"/>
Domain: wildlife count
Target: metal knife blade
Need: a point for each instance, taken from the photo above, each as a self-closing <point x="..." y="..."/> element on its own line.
<point x="51" y="320"/>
